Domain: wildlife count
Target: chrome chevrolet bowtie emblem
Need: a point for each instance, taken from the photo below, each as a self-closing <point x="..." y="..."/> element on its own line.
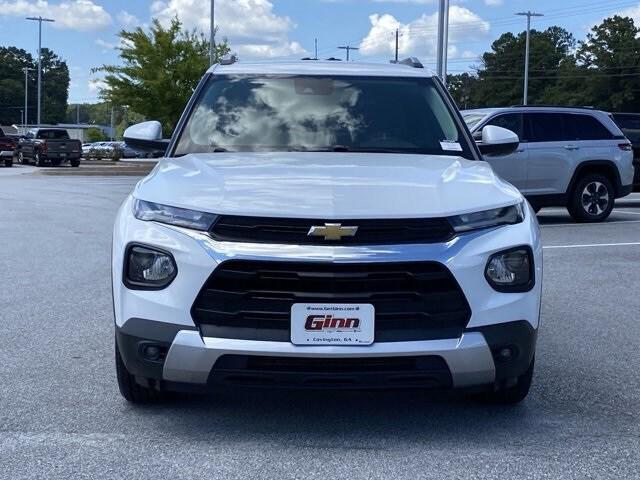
<point x="332" y="231"/>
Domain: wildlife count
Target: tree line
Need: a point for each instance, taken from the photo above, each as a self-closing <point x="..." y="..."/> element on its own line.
<point x="601" y="71"/>
<point x="55" y="86"/>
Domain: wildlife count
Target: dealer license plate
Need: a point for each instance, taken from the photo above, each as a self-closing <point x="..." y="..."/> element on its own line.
<point x="332" y="324"/>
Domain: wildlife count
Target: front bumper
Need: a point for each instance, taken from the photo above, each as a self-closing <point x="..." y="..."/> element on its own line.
<point x="6" y="154"/>
<point x="192" y="362"/>
<point x="497" y="319"/>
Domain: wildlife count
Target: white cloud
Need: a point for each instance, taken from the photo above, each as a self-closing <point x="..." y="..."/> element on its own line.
<point x="83" y="15"/>
<point x="419" y="37"/>
<point x="105" y="45"/>
<point x="252" y="27"/>
<point x="97" y="84"/>
<point x="127" y="20"/>
<point x="633" y="12"/>
<point x="493" y="3"/>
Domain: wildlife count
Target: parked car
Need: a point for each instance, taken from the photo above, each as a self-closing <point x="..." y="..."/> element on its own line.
<point x="573" y="157"/>
<point x="49" y="145"/>
<point x="328" y="225"/>
<point x="7" y="149"/>
<point x="629" y="123"/>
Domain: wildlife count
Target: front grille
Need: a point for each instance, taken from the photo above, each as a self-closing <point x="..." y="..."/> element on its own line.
<point x="252" y="300"/>
<point x="295" y="231"/>
<point x="411" y="371"/>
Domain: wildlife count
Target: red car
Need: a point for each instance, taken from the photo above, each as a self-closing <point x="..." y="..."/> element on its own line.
<point x="7" y="149"/>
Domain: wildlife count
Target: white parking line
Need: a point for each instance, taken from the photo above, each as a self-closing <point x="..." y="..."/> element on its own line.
<point x="589" y="245"/>
<point x="587" y="224"/>
<point x="630" y="213"/>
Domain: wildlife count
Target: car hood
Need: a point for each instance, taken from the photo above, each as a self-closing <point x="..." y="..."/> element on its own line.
<point x="326" y="185"/>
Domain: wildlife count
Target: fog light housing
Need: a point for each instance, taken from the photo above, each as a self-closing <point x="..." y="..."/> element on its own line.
<point x="511" y="270"/>
<point x="148" y="268"/>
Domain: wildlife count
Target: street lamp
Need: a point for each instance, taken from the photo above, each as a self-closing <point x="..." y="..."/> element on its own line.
<point x="40" y="20"/>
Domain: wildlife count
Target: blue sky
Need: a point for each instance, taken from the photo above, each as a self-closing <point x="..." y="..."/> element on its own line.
<point x="85" y="32"/>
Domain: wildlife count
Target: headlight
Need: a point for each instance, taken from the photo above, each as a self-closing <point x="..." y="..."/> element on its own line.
<point x="511" y="270"/>
<point x="147" y="268"/>
<point x="488" y="218"/>
<point x="181" y="217"/>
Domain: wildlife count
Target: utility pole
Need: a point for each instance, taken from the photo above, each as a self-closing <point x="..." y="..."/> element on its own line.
<point x="212" y="37"/>
<point x="78" y="113"/>
<point x="40" y="20"/>
<point x="397" y="42"/>
<point x="348" y="49"/>
<point x="527" y="14"/>
<point x="26" y="96"/>
<point x="316" y="48"/>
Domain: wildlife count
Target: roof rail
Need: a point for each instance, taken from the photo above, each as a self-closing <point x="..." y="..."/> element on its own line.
<point x="308" y="58"/>
<point x="410" y="61"/>
<point x="334" y="59"/>
<point x="585" y="107"/>
<point x="228" y="60"/>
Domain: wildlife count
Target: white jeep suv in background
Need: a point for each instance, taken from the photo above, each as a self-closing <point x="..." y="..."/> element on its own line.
<point x="325" y="225"/>
<point x="569" y="157"/>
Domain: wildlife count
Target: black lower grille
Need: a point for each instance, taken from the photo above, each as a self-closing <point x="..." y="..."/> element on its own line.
<point x="419" y="371"/>
<point x="252" y="299"/>
<point x="295" y="230"/>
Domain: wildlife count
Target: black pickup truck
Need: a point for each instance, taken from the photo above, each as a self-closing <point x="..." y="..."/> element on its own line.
<point x="7" y="148"/>
<point x="52" y="145"/>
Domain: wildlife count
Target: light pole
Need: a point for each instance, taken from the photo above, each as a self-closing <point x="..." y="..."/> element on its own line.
<point x="40" y="20"/>
<point x="443" y="40"/>
<point x="25" y="121"/>
<point x="212" y="36"/>
<point x="527" y="14"/>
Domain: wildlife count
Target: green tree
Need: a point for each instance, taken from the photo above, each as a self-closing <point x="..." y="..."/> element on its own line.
<point x="55" y="87"/>
<point x="95" y="135"/>
<point x="12" y="62"/>
<point x="610" y="64"/>
<point x="462" y="87"/>
<point x="160" y="70"/>
<point x="500" y="80"/>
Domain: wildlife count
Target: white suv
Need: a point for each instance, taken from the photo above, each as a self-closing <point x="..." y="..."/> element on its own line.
<point x="325" y="225"/>
<point x="573" y="157"/>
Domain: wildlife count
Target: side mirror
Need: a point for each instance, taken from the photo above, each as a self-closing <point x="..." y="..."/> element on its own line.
<point x="146" y="135"/>
<point x="498" y="141"/>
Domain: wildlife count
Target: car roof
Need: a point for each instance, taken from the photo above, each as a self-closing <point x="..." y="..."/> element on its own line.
<point x="534" y="108"/>
<point x="321" y="67"/>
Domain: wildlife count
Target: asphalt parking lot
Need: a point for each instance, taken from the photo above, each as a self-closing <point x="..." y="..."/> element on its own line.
<point x="61" y="415"/>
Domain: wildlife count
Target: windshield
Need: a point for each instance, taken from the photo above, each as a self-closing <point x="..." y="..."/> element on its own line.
<point x="53" y="134"/>
<point x="472" y="119"/>
<point x="317" y="113"/>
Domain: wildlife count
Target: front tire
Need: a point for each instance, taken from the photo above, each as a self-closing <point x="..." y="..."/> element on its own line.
<point x="592" y="199"/>
<point x="75" y="163"/>
<point x="39" y="160"/>
<point x="8" y="163"/>
<point x="23" y="159"/>
<point x="129" y="388"/>
<point x="514" y="394"/>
